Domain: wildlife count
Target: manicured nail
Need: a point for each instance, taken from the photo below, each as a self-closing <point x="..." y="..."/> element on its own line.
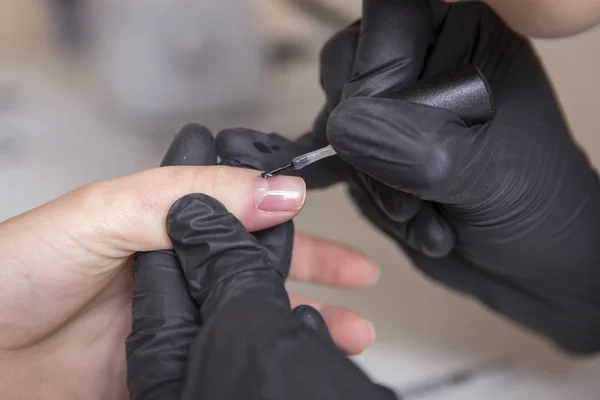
<point x="279" y="193"/>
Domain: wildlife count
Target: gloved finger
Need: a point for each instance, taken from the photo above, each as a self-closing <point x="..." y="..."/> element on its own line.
<point x="264" y="152"/>
<point x="337" y="62"/>
<point x="397" y="205"/>
<point x="312" y="319"/>
<point x="410" y="147"/>
<point x="323" y="262"/>
<point x="193" y="145"/>
<point x="213" y="246"/>
<point x="165" y="317"/>
<point x="418" y="223"/>
<point x="394" y="39"/>
<point x="350" y="332"/>
<point x="247" y="148"/>
<point x="429" y="232"/>
<point x="278" y="241"/>
<point x="165" y="323"/>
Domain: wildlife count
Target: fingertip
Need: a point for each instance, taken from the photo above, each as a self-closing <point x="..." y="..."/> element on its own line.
<point x="279" y="194"/>
<point x="312" y="319"/>
<point x="432" y="233"/>
<point x="239" y="147"/>
<point x="257" y="202"/>
<point x="352" y="119"/>
<point x="362" y="273"/>
<point x="397" y="205"/>
<point x="247" y="148"/>
<point x="374" y="274"/>
<point x="403" y="145"/>
<point x="351" y="333"/>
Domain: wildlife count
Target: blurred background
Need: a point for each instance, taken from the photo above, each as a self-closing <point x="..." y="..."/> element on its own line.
<point x="94" y="89"/>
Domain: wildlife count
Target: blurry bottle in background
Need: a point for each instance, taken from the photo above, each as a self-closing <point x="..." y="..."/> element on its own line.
<point x="158" y="58"/>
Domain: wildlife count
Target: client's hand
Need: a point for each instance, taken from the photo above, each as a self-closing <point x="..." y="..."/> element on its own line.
<point x="66" y="286"/>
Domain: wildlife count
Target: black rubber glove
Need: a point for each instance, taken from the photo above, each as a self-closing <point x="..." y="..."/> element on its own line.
<point x="165" y="320"/>
<point x="508" y="212"/>
<point x="250" y="344"/>
<point x="215" y="309"/>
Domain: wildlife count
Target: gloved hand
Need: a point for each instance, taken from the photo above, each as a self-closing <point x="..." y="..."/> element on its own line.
<point x="508" y="212"/>
<point x="314" y="261"/>
<point x="220" y="325"/>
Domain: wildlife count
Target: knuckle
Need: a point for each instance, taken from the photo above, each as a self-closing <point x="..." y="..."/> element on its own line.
<point x="218" y="183"/>
<point x="149" y="193"/>
<point x="217" y="178"/>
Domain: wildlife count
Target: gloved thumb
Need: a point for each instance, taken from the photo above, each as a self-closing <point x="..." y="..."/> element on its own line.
<point x="410" y="147"/>
<point x="313" y="319"/>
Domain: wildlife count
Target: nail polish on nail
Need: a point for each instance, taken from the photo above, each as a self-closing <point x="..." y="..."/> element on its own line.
<point x="279" y="193"/>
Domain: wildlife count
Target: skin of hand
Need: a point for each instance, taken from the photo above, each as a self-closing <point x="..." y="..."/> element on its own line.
<point x="546" y="18"/>
<point x="65" y="277"/>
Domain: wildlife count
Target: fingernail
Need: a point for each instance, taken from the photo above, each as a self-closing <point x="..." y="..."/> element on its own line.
<point x="371" y="329"/>
<point x="377" y="274"/>
<point x="279" y="193"/>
